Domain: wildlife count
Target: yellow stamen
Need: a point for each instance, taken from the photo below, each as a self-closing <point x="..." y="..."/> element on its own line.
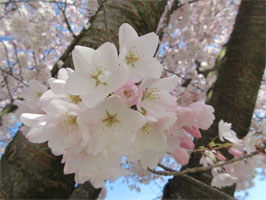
<point x="110" y="119"/>
<point x="74" y="99"/>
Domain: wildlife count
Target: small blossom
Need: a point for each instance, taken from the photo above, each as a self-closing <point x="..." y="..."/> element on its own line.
<point x="226" y="132"/>
<point x="223" y="180"/>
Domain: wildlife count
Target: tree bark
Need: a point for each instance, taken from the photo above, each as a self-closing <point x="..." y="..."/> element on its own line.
<point x="30" y="171"/>
<point x="234" y="94"/>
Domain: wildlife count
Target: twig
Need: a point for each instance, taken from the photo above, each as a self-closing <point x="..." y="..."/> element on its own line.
<point x="226" y="145"/>
<point x="35" y="61"/>
<point x="171" y="72"/>
<point x="7" y="56"/>
<point x="172" y="172"/>
<point x="20" y="67"/>
<point x="166" y="168"/>
<point x="10" y="74"/>
<point x="7" y="86"/>
<point x="26" y="1"/>
<point x="107" y="34"/>
<point x="66" y="20"/>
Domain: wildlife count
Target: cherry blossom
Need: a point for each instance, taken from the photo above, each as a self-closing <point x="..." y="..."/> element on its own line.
<point x="226" y="132"/>
<point x="223" y="179"/>
<point x="111" y="123"/>
<point x="95" y="78"/>
<point x="137" y="52"/>
<point x="122" y="105"/>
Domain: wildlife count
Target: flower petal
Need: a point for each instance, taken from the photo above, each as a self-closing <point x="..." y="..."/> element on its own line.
<point x="79" y="84"/>
<point x="106" y="57"/>
<point x="82" y="58"/>
<point x="145" y="45"/>
<point x="126" y="34"/>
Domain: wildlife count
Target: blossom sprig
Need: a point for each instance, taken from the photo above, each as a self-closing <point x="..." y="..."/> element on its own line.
<point x="248" y="153"/>
<point x="114" y="105"/>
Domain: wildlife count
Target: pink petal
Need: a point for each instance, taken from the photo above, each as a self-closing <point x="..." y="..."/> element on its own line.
<point x="181" y="156"/>
<point x="187" y="142"/>
<point x="193" y="131"/>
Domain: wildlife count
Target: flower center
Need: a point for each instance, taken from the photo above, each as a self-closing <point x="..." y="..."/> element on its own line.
<point x="74" y="99"/>
<point x="39" y="94"/>
<point x="131" y="58"/>
<point x="110" y="119"/>
<point x="146" y="130"/>
<point x="151" y="94"/>
<point x="84" y="152"/>
<point x="100" y="75"/>
<point x="128" y="93"/>
<point x="69" y="123"/>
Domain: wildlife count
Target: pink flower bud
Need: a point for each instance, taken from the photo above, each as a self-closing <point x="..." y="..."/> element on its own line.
<point x="181" y="156"/>
<point x="220" y="157"/>
<point x="193" y="131"/>
<point x="235" y="152"/>
<point x="187" y="142"/>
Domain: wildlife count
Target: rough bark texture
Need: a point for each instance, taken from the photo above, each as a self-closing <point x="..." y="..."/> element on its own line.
<point x="234" y="94"/>
<point x="85" y="191"/>
<point x="143" y="15"/>
<point x="31" y="171"/>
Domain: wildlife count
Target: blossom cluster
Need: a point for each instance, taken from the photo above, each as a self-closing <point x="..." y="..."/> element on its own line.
<point x="193" y="40"/>
<point x="240" y="173"/>
<point x="30" y="51"/>
<point x="113" y="106"/>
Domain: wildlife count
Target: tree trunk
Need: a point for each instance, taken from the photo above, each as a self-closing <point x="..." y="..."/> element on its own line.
<point x="234" y="94"/>
<point x="30" y="171"/>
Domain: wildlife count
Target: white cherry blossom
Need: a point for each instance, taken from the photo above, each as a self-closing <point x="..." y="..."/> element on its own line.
<point x="63" y="125"/>
<point x="223" y="180"/>
<point x="33" y="93"/>
<point x="156" y="99"/>
<point x="226" y="132"/>
<point x="137" y="52"/>
<point x="97" y="73"/>
<point x="112" y="124"/>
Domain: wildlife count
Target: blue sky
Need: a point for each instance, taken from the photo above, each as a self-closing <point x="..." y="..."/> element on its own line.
<point x="153" y="191"/>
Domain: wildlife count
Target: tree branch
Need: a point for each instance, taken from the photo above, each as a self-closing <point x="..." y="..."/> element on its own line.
<point x="172" y="172"/>
<point x="66" y="20"/>
<point x="105" y="21"/>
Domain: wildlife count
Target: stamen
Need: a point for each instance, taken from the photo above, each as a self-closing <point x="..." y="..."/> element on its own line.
<point x="110" y="119"/>
<point x="69" y="124"/>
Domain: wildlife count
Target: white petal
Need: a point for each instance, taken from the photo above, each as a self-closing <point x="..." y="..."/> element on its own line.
<point x="145" y="45"/>
<point x="149" y="159"/>
<point x="118" y="78"/>
<point x="57" y="86"/>
<point x="36" y="134"/>
<point x="79" y="84"/>
<point x="156" y="68"/>
<point x="165" y="84"/>
<point x="126" y="34"/>
<point x="130" y="119"/>
<point x="64" y="73"/>
<point x="96" y="97"/>
<point x="106" y="56"/>
<point x="30" y="119"/>
<point x="58" y="106"/>
<point x="36" y="86"/>
<point x="47" y="97"/>
<point x="82" y="58"/>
